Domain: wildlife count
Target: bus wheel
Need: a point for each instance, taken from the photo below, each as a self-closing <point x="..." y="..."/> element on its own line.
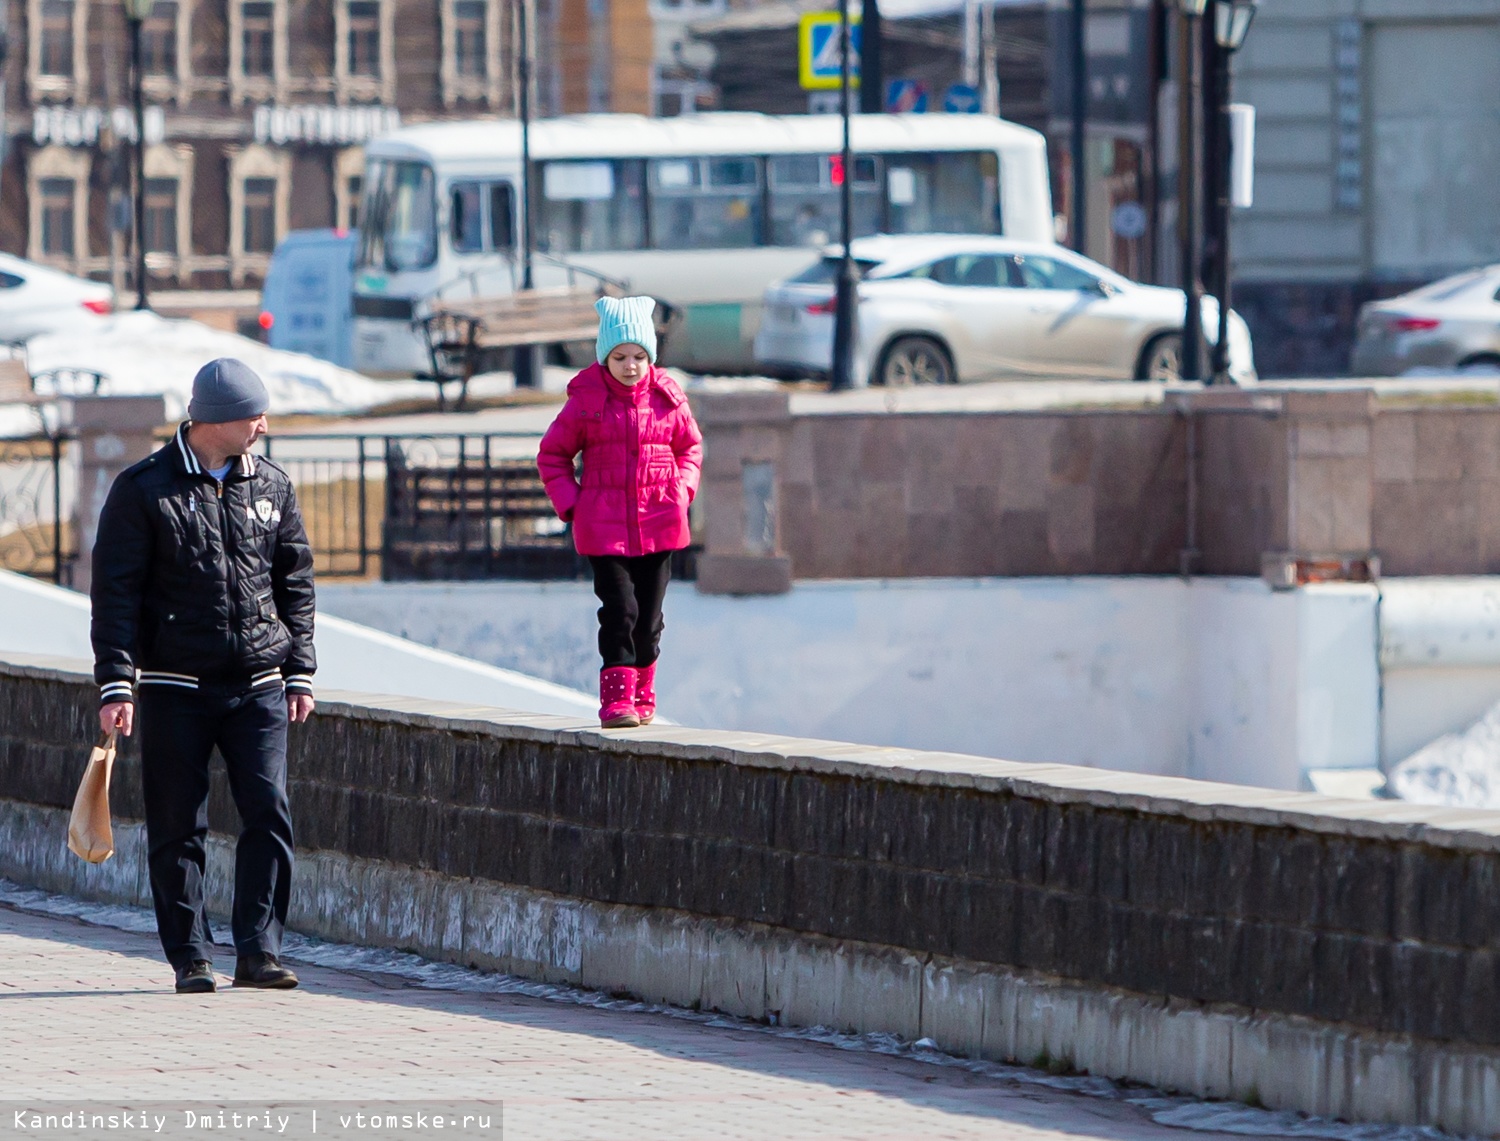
<point x="914" y="360"/>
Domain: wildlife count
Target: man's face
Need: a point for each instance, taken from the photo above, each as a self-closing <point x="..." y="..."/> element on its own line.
<point x="236" y="437"/>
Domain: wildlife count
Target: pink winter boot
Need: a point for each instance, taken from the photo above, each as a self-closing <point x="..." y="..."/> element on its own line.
<point x="645" y="692"/>
<point x="617" y="698"/>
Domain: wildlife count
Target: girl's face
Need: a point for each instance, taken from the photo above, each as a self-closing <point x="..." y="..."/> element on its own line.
<point x="627" y="363"/>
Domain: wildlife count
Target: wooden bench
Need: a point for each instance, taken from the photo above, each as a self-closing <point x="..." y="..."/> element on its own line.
<point x="460" y="332"/>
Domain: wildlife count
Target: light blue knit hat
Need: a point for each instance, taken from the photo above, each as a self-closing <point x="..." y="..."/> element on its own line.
<point x="625" y="321"/>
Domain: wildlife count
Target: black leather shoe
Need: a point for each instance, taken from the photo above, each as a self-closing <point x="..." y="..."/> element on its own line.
<point x="196" y="978"/>
<point x="264" y="972"/>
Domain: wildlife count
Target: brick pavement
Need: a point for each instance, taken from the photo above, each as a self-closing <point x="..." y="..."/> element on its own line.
<point x="563" y="1071"/>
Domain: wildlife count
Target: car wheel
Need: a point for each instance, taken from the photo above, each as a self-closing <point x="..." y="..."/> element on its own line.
<point x="1485" y="364"/>
<point x="914" y="360"/>
<point x="1161" y="359"/>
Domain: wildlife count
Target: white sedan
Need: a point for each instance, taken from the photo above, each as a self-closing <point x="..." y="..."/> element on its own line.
<point x="36" y="299"/>
<point x="937" y="309"/>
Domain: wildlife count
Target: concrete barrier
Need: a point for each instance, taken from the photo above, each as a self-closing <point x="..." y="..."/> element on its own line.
<point x="1306" y="953"/>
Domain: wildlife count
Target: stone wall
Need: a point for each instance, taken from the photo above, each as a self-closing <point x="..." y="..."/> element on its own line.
<point x="1337" y="957"/>
<point x="1239" y="482"/>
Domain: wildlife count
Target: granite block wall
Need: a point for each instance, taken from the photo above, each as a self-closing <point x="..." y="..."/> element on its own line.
<point x="1379" y="917"/>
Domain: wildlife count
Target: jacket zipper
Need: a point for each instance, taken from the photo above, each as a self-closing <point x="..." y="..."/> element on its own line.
<point x="229" y="591"/>
<point x="634" y="546"/>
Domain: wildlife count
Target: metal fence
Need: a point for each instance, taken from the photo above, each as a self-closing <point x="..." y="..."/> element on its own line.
<point x="37" y="494"/>
<point x="425" y="506"/>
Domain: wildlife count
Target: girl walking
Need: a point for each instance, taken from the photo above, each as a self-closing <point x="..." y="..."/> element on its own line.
<point x="642" y="452"/>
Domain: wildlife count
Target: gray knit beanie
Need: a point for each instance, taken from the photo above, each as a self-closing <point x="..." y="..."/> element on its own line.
<point x="227" y="389"/>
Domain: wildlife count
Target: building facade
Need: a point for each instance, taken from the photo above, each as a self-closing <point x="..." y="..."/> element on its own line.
<point x="1377" y="163"/>
<point x="257" y="111"/>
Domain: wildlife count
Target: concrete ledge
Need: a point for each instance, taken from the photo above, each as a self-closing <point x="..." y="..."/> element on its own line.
<point x="752" y="971"/>
<point x="744" y="574"/>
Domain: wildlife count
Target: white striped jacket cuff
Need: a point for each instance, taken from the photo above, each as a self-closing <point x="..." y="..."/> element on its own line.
<point x="299" y="683"/>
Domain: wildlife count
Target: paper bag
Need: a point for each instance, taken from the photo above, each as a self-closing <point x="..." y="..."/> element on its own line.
<point x="90" y="836"/>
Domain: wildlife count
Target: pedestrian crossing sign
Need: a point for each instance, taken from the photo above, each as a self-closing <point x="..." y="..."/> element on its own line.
<point x="819" y="61"/>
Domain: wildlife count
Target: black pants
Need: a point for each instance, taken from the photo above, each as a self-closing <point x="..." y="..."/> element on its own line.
<point x="631" y="590"/>
<point x="179" y="729"/>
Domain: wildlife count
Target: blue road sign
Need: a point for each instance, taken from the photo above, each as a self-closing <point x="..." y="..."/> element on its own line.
<point x="819" y="54"/>
<point x="906" y="96"/>
<point x="961" y="100"/>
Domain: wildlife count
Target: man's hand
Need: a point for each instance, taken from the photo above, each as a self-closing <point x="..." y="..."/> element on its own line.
<point x="117" y="717"/>
<point x="299" y="707"/>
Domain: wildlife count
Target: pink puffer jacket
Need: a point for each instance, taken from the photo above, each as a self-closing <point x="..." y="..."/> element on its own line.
<point x="642" y="452"/>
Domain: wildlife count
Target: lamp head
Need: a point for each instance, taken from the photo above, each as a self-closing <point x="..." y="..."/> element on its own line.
<point x="1232" y="21"/>
<point x="138" y="9"/>
<point x="1194" y="8"/>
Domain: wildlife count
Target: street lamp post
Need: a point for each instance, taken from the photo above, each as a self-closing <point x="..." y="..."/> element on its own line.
<point x="1190" y="367"/>
<point x="1231" y="23"/>
<point x="136" y="14"/>
<point x="524" y="363"/>
<point x="846" y="296"/>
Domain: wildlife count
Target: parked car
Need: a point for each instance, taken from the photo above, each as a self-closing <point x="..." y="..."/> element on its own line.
<point x="936" y="309"/>
<point x="306" y="304"/>
<point x="1452" y="324"/>
<point x="37" y="299"/>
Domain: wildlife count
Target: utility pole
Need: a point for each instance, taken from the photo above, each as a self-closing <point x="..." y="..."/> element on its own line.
<point x="1078" y="222"/>
<point x="1189" y="100"/>
<point x="871" y="69"/>
<point x="847" y="295"/>
<point x="137" y="12"/>
<point x="524" y="364"/>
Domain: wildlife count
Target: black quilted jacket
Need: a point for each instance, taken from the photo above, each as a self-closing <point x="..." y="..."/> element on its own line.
<point x="194" y="580"/>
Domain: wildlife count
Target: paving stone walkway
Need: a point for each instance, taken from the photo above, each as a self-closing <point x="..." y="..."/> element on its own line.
<point x="87" y="1019"/>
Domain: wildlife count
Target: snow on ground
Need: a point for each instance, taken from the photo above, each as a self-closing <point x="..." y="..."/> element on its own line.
<point x="142" y="353"/>
<point x="1458" y="769"/>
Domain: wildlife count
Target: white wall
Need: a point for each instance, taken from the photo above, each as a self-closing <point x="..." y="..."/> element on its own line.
<point x="1219" y="679"/>
<point x="39" y="619"/>
<point x="1440" y="659"/>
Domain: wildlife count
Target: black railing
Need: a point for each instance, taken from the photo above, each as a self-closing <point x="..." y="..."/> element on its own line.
<point x="36" y="504"/>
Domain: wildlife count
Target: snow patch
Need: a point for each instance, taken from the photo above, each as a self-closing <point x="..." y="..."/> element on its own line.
<point x="1458" y="769"/>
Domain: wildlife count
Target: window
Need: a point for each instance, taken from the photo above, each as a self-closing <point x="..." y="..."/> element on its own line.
<point x="57" y="216"/>
<point x="469" y="46"/>
<point x="805" y="198"/>
<point x="710" y="203"/>
<point x="956" y="193"/>
<point x="159" y="40"/>
<point x="57" y="37"/>
<point x="466" y="219"/>
<point x="1049" y="273"/>
<point x="258" y="42"/>
<point x="364" y="37"/>
<point x="354" y="189"/>
<point x="161" y="215"/>
<point x="260" y="215"/>
<point x="480" y="216"/>
<point x="591" y="206"/>
<point x="399" y="216"/>
<point x="10" y="281"/>
<point x="825" y="271"/>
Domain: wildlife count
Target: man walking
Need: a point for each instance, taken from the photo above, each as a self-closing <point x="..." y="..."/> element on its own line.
<point x="203" y="621"/>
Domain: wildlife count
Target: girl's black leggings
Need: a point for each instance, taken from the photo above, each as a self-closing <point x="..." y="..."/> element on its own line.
<point x="631" y="590"/>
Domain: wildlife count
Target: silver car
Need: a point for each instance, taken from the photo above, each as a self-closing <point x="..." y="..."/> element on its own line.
<point x="1450" y="325"/>
<point x="940" y="308"/>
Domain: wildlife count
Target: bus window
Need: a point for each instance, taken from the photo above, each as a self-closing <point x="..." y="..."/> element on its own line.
<point x="591" y="206"/>
<point x="502" y="216"/>
<point x="465" y="222"/>
<point x="957" y="193"/>
<point x="372" y="214"/>
<point x="805" y="192"/>
<point x="409" y="229"/>
<point x="705" y="204"/>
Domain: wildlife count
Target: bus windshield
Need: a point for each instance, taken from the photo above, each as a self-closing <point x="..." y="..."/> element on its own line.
<point x="399" y="231"/>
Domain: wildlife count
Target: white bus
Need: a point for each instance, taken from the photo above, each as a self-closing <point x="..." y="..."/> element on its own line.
<point x="702" y="211"/>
